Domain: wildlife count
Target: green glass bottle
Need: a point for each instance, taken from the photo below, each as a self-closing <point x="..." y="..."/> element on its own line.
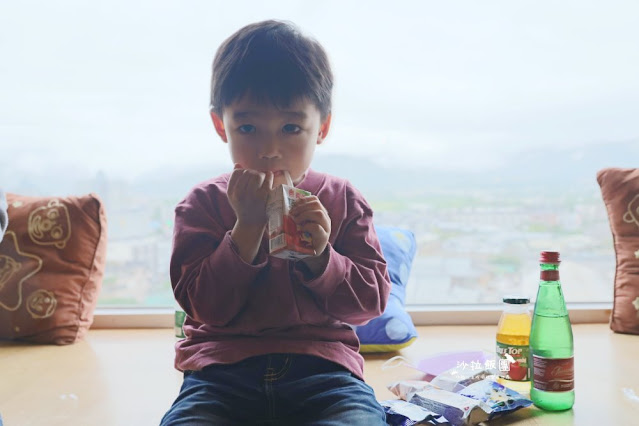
<point x="551" y="343"/>
<point x="179" y="318"/>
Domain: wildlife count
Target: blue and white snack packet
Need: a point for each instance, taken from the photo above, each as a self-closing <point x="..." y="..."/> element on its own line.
<point x="478" y="402"/>
<point x="402" y="413"/>
<point x="498" y="399"/>
<point x="457" y="409"/>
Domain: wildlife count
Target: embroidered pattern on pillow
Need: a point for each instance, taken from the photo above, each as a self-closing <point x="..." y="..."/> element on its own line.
<point x="51" y="267"/>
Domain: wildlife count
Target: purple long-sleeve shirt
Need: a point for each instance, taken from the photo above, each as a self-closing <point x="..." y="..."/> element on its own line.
<point x="236" y="310"/>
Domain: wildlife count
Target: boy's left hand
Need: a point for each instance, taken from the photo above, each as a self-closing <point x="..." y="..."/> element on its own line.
<point x="310" y="214"/>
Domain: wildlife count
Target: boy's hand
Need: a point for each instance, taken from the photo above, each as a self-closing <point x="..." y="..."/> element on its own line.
<point x="310" y="214"/>
<point x="248" y="192"/>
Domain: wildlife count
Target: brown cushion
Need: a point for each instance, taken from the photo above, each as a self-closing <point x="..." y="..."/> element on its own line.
<point x="620" y="191"/>
<point x="51" y="267"/>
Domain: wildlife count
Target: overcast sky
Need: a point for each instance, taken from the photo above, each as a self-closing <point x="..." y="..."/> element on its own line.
<point x="123" y="86"/>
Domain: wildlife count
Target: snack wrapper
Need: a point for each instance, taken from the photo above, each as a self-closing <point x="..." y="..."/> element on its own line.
<point x="457" y="409"/>
<point x="286" y="238"/>
<point x="457" y="379"/>
<point x="498" y="399"/>
<point x="480" y="401"/>
<point x="402" y="413"/>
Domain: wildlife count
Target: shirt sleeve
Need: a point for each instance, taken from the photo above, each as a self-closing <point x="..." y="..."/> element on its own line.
<point x="210" y="280"/>
<point x="355" y="285"/>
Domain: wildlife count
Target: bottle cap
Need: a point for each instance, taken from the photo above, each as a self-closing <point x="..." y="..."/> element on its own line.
<point x="516" y="300"/>
<point x="549" y="257"/>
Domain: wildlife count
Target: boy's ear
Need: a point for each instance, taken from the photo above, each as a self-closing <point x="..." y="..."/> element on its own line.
<point x="324" y="128"/>
<point x="219" y="126"/>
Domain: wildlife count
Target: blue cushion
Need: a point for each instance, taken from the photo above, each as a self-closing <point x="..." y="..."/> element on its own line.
<point x="394" y="329"/>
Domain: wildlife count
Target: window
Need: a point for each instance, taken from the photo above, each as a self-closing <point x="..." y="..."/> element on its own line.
<point x="478" y="126"/>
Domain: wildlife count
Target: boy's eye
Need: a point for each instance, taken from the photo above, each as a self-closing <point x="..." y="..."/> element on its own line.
<point x="246" y="128"/>
<point x="291" y="128"/>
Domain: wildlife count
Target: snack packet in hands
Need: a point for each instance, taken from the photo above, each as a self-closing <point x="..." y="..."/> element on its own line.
<point x="286" y="238"/>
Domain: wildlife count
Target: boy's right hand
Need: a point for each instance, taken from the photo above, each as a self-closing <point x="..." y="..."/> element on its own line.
<point x="248" y="192"/>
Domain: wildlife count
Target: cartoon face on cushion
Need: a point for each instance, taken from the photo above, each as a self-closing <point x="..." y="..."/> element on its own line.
<point x="632" y="215"/>
<point x="41" y="303"/>
<point x="50" y="225"/>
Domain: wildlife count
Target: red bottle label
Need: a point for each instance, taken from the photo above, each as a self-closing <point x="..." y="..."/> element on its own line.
<point x="553" y="374"/>
<point x="550" y="275"/>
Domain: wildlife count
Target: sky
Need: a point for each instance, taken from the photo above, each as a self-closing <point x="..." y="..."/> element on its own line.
<point x="123" y="86"/>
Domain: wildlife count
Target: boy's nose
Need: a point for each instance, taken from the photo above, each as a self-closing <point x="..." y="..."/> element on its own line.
<point x="270" y="149"/>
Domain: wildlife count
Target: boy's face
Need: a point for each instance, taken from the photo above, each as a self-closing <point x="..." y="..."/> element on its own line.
<point x="265" y="138"/>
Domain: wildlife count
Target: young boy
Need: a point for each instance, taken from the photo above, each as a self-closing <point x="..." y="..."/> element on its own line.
<point x="268" y="340"/>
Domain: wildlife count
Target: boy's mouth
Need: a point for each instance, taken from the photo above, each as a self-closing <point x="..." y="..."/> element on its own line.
<point x="277" y="173"/>
<point x="281" y="177"/>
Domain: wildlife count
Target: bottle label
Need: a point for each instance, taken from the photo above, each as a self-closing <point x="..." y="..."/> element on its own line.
<point x="513" y="362"/>
<point x="549" y="275"/>
<point x="553" y="374"/>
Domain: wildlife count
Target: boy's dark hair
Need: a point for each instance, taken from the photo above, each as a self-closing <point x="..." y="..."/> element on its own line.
<point x="273" y="62"/>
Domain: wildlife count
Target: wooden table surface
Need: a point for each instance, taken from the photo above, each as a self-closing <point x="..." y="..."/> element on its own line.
<point x="126" y="377"/>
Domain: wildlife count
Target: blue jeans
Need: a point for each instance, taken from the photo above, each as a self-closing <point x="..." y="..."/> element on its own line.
<point x="276" y="389"/>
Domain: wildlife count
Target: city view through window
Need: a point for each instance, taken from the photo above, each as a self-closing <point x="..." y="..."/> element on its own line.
<point x="479" y="128"/>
